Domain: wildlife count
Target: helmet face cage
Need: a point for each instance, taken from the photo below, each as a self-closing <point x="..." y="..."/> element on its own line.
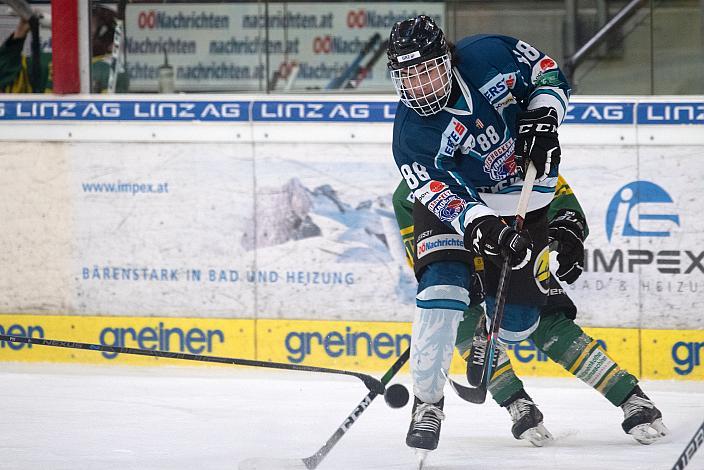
<point x="424" y="87"/>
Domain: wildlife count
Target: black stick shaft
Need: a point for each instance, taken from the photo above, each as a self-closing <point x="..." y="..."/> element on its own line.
<point x="501" y="294"/>
<point x="351" y="70"/>
<point x="696" y="442"/>
<point x="505" y="276"/>
<point x="314" y="460"/>
<point x="371" y="383"/>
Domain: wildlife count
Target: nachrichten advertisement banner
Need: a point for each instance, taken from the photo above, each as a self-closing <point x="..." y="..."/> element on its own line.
<point x="224" y="46"/>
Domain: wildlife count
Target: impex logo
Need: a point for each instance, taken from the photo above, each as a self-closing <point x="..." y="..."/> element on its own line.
<point x="633" y="211"/>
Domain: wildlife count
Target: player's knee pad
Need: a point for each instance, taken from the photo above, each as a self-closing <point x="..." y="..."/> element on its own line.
<point x="518" y="322"/>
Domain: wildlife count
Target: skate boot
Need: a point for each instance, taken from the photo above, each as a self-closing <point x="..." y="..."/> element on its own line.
<point x="642" y="419"/>
<point x="477" y="354"/>
<point x="527" y="420"/>
<point x="424" y="431"/>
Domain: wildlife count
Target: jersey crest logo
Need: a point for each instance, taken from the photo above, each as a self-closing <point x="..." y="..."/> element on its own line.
<point x="448" y="208"/>
<point x="452" y="210"/>
<point x="500" y="162"/>
<point x="436" y="200"/>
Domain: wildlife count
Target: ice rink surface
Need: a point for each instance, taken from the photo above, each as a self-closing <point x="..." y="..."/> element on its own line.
<point x="92" y="417"/>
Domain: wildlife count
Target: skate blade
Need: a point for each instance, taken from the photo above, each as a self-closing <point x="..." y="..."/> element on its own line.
<point x="421" y="455"/>
<point x="538" y="436"/>
<point x="648" y="433"/>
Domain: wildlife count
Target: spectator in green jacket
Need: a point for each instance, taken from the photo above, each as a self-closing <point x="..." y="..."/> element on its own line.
<point x="15" y="68"/>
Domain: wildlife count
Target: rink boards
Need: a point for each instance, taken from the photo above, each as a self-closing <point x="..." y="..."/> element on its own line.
<point x="251" y="207"/>
<point x="361" y="346"/>
<point x="221" y="224"/>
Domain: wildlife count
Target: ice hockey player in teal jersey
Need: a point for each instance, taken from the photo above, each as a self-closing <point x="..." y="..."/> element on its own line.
<point x="471" y="118"/>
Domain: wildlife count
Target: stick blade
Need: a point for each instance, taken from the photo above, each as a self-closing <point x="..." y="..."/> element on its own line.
<point x="476" y="395"/>
<point x="472" y="395"/>
<point x="272" y="464"/>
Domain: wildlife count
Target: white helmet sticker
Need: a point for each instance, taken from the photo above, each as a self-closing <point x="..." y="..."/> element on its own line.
<point x="407" y="57"/>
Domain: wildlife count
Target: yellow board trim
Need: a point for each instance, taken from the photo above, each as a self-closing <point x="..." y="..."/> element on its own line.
<point x="673" y="354"/>
<point x="361" y="346"/>
<point x="206" y="336"/>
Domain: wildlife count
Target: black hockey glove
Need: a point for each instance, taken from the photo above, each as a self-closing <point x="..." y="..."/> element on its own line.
<point x="537" y="141"/>
<point x="567" y="229"/>
<point x="494" y="240"/>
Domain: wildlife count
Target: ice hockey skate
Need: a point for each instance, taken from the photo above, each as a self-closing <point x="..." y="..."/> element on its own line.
<point x="528" y="421"/>
<point x="642" y="419"/>
<point x="477" y="354"/>
<point x="424" y="430"/>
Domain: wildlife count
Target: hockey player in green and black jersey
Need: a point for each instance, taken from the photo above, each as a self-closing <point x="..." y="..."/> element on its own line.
<point x="557" y="334"/>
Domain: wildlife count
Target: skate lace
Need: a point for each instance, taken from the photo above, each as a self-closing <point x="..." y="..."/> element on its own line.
<point x="479" y="350"/>
<point x="479" y="345"/>
<point x="635" y="404"/>
<point x="519" y="408"/>
<point x="427" y="417"/>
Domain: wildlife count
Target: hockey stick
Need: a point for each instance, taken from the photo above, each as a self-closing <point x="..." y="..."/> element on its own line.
<point x="355" y="80"/>
<point x="292" y="75"/>
<point x="35" y="74"/>
<point x="470" y="393"/>
<point x="502" y="291"/>
<point x="287" y="71"/>
<point x="696" y="442"/>
<point x="20" y="7"/>
<point x="370" y="382"/>
<point x="337" y="82"/>
<point x="117" y="59"/>
<point x="314" y="460"/>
